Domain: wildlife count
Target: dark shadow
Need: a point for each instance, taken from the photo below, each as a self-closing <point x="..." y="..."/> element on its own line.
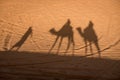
<point x="24" y="65"/>
<point x="6" y="41"/>
<point x="65" y="31"/>
<point x="23" y="39"/>
<point x="90" y="37"/>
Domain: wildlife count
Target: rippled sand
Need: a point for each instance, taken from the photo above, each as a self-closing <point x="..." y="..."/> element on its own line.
<point x="17" y="16"/>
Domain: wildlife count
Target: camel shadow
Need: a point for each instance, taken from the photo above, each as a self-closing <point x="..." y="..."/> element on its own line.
<point x="89" y="36"/>
<point x="65" y="31"/>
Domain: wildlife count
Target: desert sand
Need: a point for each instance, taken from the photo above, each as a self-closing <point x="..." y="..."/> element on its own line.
<point x="32" y="61"/>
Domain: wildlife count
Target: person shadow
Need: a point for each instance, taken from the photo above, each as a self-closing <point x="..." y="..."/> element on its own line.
<point x="22" y="40"/>
<point x="65" y="32"/>
<point x="89" y="35"/>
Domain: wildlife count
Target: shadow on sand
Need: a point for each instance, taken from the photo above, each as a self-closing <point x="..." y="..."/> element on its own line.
<point x="43" y="66"/>
<point x="65" y="32"/>
<point x="89" y="36"/>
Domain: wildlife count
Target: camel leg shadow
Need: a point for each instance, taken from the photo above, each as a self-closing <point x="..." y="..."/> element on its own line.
<point x="59" y="45"/>
<point x="53" y="45"/>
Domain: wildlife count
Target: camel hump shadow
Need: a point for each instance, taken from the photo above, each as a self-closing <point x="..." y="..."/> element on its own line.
<point x="66" y="30"/>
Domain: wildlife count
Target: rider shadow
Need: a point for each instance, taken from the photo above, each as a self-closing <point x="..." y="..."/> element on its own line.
<point x="65" y="31"/>
<point x="23" y="39"/>
<point x="89" y="36"/>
